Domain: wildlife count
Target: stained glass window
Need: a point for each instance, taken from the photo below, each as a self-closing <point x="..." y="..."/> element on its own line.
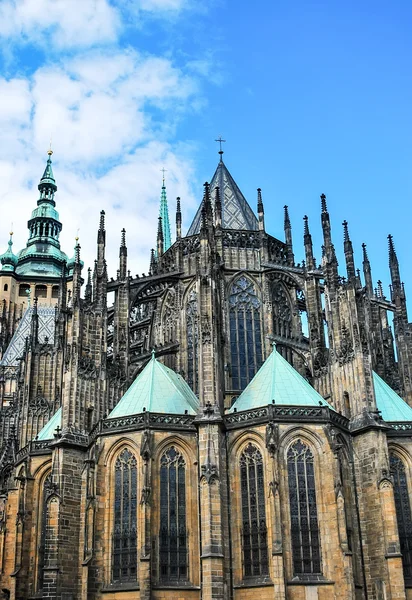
<point x="173" y="556"/>
<point x="303" y="510"/>
<point x="403" y="513"/>
<point x="192" y="335"/>
<point x="245" y="332"/>
<point x="254" y="530"/>
<point x="124" y="565"/>
<point x="47" y="489"/>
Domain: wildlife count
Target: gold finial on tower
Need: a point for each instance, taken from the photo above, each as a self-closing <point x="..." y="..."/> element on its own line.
<point x="50" y="151"/>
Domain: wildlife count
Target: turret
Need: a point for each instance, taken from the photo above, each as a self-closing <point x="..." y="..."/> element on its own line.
<point x="348" y="248"/>
<point x="397" y="287"/>
<point x="178" y="219"/>
<point x="330" y="261"/>
<point x="123" y="256"/>
<point x="260" y="210"/>
<point x="160" y="241"/>
<point x="8" y="260"/>
<point x="288" y="235"/>
<point x="218" y="208"/>
<point x="367" y="271"/>
<point x="307" y="239"/>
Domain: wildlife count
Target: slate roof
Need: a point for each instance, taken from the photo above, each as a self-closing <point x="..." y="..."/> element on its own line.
<point x="392" y="407"/>
<point x="157" y="389"/>
<point x="236" y="212"/>
<point x="277" y="380"/>
<point x="48" y="430"/>
<point x="46" y="329"/>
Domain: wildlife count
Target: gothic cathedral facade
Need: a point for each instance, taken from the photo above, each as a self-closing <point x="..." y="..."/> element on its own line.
<point x="236" y="425"/>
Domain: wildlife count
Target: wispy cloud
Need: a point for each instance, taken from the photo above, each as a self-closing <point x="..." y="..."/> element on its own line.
<point x="112" y="110"/>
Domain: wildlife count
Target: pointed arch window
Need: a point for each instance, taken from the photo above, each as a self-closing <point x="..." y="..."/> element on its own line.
<point x="303" y="510"/>
<point x="192" y="339"/>
<point x="46" y="491"/>
<point x="282" y="317"/>
<point x="245" y="332"/>
<point x="173" y="552"/>
<point x="403" y="513"/>
<point x="254" y="529"/>
<point x="124" y="553"/>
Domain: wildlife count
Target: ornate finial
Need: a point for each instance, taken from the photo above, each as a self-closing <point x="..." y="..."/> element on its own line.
<point x="153" y="354"/>
<point x="178" y="204"/>
<point x="163" y="170"/>
<point x="305" y="225"/>
<point x="159" y="229"/>
<point x="218" y="203"/>
<point x="273" y="346"/>
<point x="380" y="289"/>
<point x="391" y="245"/>
<point x="286" y="214"/>
<point x="345" y="231"/>
<point x="221" y="141"/>
<point x="123" y="240"/>
<point x="102" y="215"/>
<point x="50" y="151"/>
<point x="365" y="253"/>
<point x="77" y="254"/>
<point x="323" y="203"/>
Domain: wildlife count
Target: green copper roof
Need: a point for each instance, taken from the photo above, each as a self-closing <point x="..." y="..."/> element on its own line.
<point x="277" y="380"/>
<point x="48" y="176"/>
<point x="48" y="430"/>
<point x="45" y="211"/>
<point x="164" y="213"/>
<point x="8" y="260"/>
<point x="157" y="389"/>
<point x="391" y="406"/>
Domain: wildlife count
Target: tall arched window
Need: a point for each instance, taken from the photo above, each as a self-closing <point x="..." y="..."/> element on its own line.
<point x="254" y="530"/>
<point x="403" y="513"/>
<point x="46" y="491"/>
<point x="303" y="511"/>
<point x="124" y="558"/>
<point x="173" y="557"/>
<point x="192" y="338"/>
<point x="245" y="332"/>
<point x="282" y="317"/>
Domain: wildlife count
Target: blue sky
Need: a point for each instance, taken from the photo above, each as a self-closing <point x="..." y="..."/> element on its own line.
<point x="311" y="97"/>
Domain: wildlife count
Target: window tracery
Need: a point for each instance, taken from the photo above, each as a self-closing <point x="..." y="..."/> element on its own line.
<point x="254" y="529"/>
<point x="282" y="317"/>
<point x="192" y="339"/>
<point x="173" y="557"/>
<point x="403" y="512"/>
<point x="245" y="332"/>
<point x="303" y="510"/>
<point x="46" y="491"/>
<point x="124" y="554"/>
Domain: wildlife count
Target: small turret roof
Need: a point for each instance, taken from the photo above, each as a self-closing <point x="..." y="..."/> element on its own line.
<point x="392" y="407"/>
<point x="277" y="380"/>
<point x="157" y="389"/>
<point x="8" y="260"/>
<point x="48" y="430"/>
<point x="236" y="212"/>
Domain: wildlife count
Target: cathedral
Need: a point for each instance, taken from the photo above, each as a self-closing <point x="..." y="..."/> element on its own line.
<point x="236" y="425"/>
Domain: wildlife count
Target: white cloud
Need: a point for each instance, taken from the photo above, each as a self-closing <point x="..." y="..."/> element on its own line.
<point x="61" y="23"/>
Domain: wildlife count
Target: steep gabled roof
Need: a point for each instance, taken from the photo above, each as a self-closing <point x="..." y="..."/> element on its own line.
<point x="277" y="380"/>
<point x="236" y="212"/>
<point x="157" y="389"/>
<point x="15" y="349"/>
<point x="391" y="406"/>
<point x="48" y="430"/>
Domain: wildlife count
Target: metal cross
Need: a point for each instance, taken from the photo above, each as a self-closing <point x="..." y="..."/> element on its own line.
<point x="220" y="140"/>
<point x="163" y="171"/>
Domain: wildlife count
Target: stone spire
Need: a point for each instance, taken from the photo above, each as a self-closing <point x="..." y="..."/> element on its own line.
<point x="330" y="260"/>
<point x="164" y="214"/>
<point x="348" y="249"/>
<point x="367" y="271"/>
<point x="288" y="235"/>
<point x="123" y="256"/>
<point x="160" y="240"/>
<point x="178" y="219"/>
<point x="307" y="239"/>
<point x="260" y="210"/>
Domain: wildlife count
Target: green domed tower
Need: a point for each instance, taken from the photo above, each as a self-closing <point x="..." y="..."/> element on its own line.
<point x="42" y="256"/>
